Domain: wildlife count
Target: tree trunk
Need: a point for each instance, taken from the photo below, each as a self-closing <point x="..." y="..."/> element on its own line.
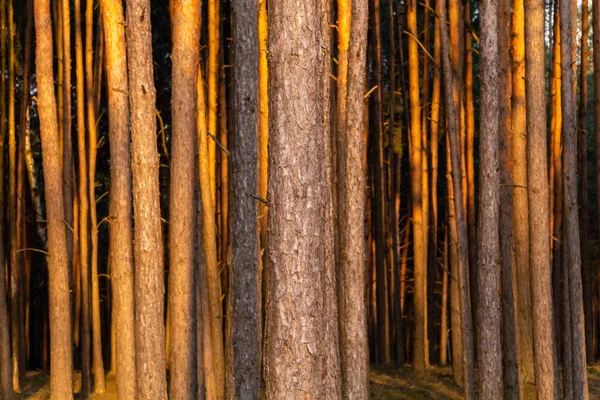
<point x="569" y="127"/>
<point x="519" y="197"/>
<point x="508" y="276"/>
<point x="582" y="183"/>
<point x="298" y="302"/>
<point x="61" y="382"/>
<point x="461" y="225"/>
<point x="245" y="250"/>
<point x="185" y="18"/>
<point x="537" y="196"/>
<point x="489" y="351"/>
<point x="421" y="342"/>
<point x="82" y="251"/>
<point x="149" y="339"/>
<point x="596" y="54"/>
<point x="352" y="43"/>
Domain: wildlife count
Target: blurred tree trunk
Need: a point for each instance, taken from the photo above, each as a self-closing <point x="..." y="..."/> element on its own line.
<point x="596" y="54"/>
<point x="185" y="15"/>
<point x="150" y="379"/>
<point x="61" y="382"/>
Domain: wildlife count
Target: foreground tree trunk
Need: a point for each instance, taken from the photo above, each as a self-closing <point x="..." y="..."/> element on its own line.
<point x="596" y="53"/>
<point x="569" y="127"/>
<point x="297" y="349"/>
<point x="61" y="374"/>
<point x="353" y="17"/>
<point x="245" y="255"/>
<point x="148" y="243"/>
<point x="537" y="195"/>
<point x="185" y="17"/>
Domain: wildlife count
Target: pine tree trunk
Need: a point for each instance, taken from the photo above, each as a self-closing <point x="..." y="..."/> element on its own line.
<point x="150" y="379"/>
<point x="185" y="17"/>
<point x="569" y="127"/>
<point x="61" y="382"/>
<point x="537" y="196"/>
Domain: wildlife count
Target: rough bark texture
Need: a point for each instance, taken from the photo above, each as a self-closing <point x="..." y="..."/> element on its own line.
<point x="569" y="127"/>
<point x="148" y="244"/>
<point x="245" y="254"/>
<point x="596" y="54"/>
<point x="537" y="195"/>
<point x="489" y="351"/>
<point x="352" y="312"/>
<point x="508" y="278"/>
<point x="519" y="197"/>
<point x="299" y="307"/>
<point x="185" y="17"/>
<point x="61" y="382"/>
<point x="461" y="226"/>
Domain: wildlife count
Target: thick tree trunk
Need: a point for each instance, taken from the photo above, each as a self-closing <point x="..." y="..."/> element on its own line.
<point x="596" y="53"/>
<point x="185" y="18"/>
<point x="489" y="351"/>
<point x="352" y="43"/>
<point x="537" y="196"/>
<point x="61" y="382"/>
<point x="148" y="242"/>
<point x="569" y="127"/>
<point x="244" y="236"/>
<point x="298" y="300"/>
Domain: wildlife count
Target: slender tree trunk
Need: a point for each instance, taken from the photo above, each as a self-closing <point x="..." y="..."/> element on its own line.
<point x="569" y="127"/>
<point x="519" y="197"/>
<point x="6" y="388"/>
<point x="596" y="54"/>
<point x="489" y="352"/>
<point x="508" y="275"/>
<point x="216" y="374"/>
<point x="462" y="242"/>
<point x="82" y="251"/>
<point x="582" y="170"/>
<point x="444" y="319"/>
<point x="297" y="368"/>
<point x="537" y="196"/>
<point x="61" y="382"/>
<point x="185" y="16"/>
<point x="150" y="379"/>
<point x="245" y="250"/>
<point x="352" y="44"/>
<point x="421" y="342"/>
<point x="212" y="79"/>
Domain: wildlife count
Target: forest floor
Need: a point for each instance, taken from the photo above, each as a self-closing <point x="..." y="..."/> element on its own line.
<point x="386" y="383"/>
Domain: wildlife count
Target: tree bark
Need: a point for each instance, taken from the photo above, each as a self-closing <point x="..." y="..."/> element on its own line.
<point x="596" y="55"/>
<point x="537" y="196"/>
<point x="352" y="43"/>
<point x="569" y="127"/>
<point x="298" y="302"/>
<point x="61" y="382"/>
<point x="185" y="19"/>
<point x="245" y="250"/>
<point x="489" y="351"/>
<point x="148" y="243"/>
